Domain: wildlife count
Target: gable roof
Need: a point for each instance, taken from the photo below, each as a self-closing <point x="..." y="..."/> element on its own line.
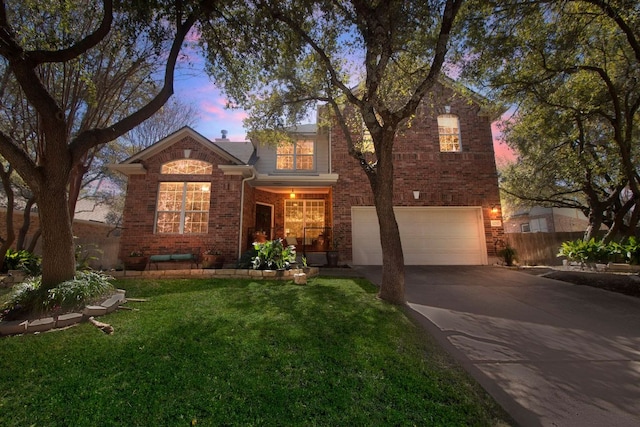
<point x="487" y="107"/>
<point x="133" y="164"/>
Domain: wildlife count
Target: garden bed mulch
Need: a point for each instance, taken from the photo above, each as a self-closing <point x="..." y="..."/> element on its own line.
<point x="628" y="284"/>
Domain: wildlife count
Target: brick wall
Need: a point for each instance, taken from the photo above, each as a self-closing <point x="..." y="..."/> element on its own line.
<point x="140" y="206"/>
<point x="466" y="178"/>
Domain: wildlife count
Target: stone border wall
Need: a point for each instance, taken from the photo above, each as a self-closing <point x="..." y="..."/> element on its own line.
<point x="223" y="273"/>
<point x="14" y="327"/>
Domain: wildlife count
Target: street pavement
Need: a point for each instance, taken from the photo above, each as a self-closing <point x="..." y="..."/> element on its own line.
<point x="549" y="352"/>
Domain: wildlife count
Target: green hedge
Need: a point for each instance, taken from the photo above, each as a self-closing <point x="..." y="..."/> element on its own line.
<point x="596" y="251"/>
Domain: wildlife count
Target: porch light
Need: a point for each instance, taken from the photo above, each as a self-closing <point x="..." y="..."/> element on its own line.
<point x="416" y="194"/>
<point x="187" y="153"/>
<point x="494" y="209"/>
<point x="292" y="195"/>
<point x="447" y="109"/>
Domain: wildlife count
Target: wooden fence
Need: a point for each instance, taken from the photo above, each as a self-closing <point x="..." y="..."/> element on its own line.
<point x="539" y="248"/>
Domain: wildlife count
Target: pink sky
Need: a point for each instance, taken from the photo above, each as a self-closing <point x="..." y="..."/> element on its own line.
<point x="193" y="86"/>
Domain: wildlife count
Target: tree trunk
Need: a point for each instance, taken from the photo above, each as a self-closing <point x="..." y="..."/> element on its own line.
<point x="392" y="288"/>
<point x="57" y="237"/>
<point x="595" y="222"/>
<point x="11" y="235"/>
<point x="26" y="224"/>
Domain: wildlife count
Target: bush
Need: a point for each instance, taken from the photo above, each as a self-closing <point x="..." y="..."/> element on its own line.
<point x="273" y="255"/>
<point x="586" y="252"/>
<point x="22" y="260"/>
<point x="508" y="255"/>
<point x="631" y="250"/>
<point x="246" y="260"/>
<point x="599" y="252"/>
<point x="28" y="298"/>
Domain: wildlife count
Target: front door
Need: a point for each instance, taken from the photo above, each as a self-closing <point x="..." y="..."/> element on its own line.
<point x="263" y="218"/>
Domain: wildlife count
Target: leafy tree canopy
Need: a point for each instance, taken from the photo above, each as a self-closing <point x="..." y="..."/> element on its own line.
<point x="572" y="69"/>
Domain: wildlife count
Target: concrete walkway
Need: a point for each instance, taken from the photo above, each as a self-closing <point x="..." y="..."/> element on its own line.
<point x="551" y="353"/>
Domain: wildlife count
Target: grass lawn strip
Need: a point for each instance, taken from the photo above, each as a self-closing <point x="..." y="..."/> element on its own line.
<point x="240" y="352"/>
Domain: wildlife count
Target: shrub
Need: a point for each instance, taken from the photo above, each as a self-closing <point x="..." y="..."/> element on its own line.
<point x="272" y="255"/>
<point x="508" y="255"/>
<point x="585" y="252"/>
<point x="22" y="260"/>
<point x="29" y="299"/>
<point x="246" y="259"/>
<point x="85" y="254"/>
<point x="597" y="251"/>
<point x="631" y="250"/>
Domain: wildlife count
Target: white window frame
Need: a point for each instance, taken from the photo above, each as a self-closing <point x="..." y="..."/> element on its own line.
<point x="186" y="167"/>
<point x="184" y="212"/>
<point x="305" y="216"/>
<point x="295" y="156"/>
<point x="448" y="134"/>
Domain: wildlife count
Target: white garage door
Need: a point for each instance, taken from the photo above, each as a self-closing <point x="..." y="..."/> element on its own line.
<point x="430" y="235"/>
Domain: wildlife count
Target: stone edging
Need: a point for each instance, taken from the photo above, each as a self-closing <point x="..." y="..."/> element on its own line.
<point x="222" y="273"/>
<point x="14" y="327"/>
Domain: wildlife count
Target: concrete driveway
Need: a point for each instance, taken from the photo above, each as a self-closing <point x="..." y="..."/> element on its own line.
<point x="551" y="353"/>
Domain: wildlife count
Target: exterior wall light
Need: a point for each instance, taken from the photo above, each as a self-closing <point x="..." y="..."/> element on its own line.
<point x="416" y="194"/>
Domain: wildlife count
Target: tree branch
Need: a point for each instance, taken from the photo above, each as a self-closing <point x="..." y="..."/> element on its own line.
<point x="37" y="57"/>
<point x="94" y="137"/>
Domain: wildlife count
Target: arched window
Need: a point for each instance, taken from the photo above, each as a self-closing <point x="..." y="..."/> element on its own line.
<point x="187" y="167"/>
<point x="449" y="132"/>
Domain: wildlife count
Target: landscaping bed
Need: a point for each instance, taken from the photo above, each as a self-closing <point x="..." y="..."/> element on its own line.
<point x="628" y="284"/>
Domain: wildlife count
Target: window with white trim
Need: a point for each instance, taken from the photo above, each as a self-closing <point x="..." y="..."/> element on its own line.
<point x="449" y="132"/>
<point x="183" y="207"/>
<point x="187" y="167"/>
<point x="301" y="214"/>
<point x="298" y="155"/>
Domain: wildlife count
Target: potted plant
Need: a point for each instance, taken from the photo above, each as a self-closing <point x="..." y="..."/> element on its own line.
<point x="135" y="261"/>
<point x="212" y="258"/>
<point x="332" y="254"/>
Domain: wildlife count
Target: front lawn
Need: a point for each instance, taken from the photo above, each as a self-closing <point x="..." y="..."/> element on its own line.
<point x="240" y="352"/>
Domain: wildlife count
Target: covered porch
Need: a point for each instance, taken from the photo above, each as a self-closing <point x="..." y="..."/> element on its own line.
<point x="301" y="216"/>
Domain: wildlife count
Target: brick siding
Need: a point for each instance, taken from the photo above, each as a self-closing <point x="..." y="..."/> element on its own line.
<point x="140" y="206"/>
<point x="466" y="178"/>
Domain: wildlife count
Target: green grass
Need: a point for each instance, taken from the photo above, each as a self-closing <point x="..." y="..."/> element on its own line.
<point x="239" y="352"/>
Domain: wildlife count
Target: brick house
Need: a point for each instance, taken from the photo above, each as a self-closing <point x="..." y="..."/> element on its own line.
<point x="186" y="191"/>
<point x="539" y="219"/>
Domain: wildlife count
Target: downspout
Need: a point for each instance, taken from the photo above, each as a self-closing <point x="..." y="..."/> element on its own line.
<point x="330" y="159"/>
<point x="249" y="178"/>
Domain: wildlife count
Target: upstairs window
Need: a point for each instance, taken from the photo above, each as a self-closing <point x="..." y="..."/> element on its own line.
<point x="296" y="156"/>
<point x="187" y="167"/>
<point x="366" y="146"/>
<point x="449" y="132"/>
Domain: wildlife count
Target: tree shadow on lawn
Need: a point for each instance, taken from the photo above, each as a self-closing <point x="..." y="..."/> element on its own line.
<point x="271" y="351"/>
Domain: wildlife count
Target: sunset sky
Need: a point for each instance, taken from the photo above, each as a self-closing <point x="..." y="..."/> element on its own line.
<point x="193" y="86"/>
